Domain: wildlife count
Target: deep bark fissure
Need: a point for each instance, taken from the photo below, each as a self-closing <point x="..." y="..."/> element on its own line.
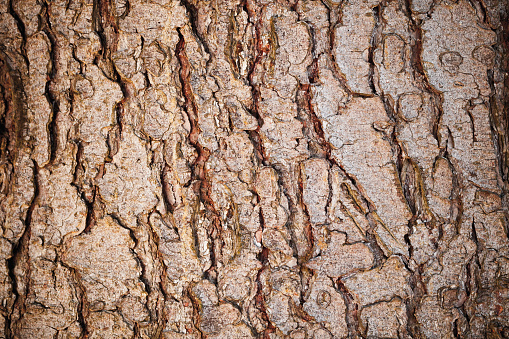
<point x="202" y="186"/>
<point x="20" y="257"/>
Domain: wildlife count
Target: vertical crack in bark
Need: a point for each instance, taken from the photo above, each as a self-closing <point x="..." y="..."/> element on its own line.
<point x="376" y="37"/>
<point x="166" y="188"/>
<point x="83" y="309"/>
<point x="22" y="30"/>
<point x="352" y="310"/>
<point x="421" y="79"/>
<point x="51" y="93"/>
<point x="308" y="228"/>
<point x="499" y="98"/>
<point x="419" y="290"/>
<point x="254" y="135"/>
<point x="260" y="298"/>
<point x="498" y="124"/>
<point x="194" y="22"/>
<point x="202" y="186"/>
<point x="106" y="27"/>
<point x="157" y="315"/>
<point x="288" y="176"/>
<point x="136" y="255"/>
<point x="161" y="316"/>
<point x="20" y="260"/>
<point x="197" y="309"/>
<point x="81" y="294"/>
<point x="334" y="18"/>
<point x="88" y="197"/>
<point x="456" y="212"/>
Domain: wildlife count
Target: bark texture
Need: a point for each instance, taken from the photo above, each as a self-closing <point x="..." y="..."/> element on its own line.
<point x="254" y="169"/>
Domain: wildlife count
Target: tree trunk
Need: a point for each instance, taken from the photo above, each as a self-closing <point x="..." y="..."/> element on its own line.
<point x="254" y="169"/>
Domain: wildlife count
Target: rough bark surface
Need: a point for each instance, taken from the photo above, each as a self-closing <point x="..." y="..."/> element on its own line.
<point x="254" y="169"/>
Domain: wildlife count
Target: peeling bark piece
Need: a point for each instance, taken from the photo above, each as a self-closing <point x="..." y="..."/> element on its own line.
<point x="435" y="320"/>
<point x="365" y="154"/>
<point x="128" y="187"/>
<point x="241" y="331"/>
<point x="410" y="106"/>
<point x="327" y="306"/>
<point x="278" y="309"/>
<point x="106" y="263"/>
<point x="329" y="95"/>
<point x="108" y="325"/>
<point x="215" y="318"/>
<point x="385" y="319"/>
<point x="352" y="42"/>
<point x="380" y="284"/>
<point x="316" y="189"/>
<point x="339" y="259"/>
<point x="239" y="150"/>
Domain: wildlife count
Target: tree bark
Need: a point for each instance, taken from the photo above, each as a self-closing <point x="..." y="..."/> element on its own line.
<point x="254" y="169"/>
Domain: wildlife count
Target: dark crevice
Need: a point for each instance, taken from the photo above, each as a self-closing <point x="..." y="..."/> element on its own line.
<point x="263" y="257"/>
<point x="201" y="185"/>
<point x="22" y="30"/>
<point x="254" y="135"/>
<point x="106" y="27"/>
<point x="418" y="291"/>
<point x="197" y="309"/>
<point x="376" y="37"/>
<point x="166" y="188"/>
<point x="335" y="19"/>
<point x="132" y="234"/>
<point x="194" y="21"/>
<point x="156" y="315"/>
<point x="20" y="260"/>
<point x="468" y="108"/>
<point x="260" y="297"/>
<point x="421" y="79"/>
<point x="289" y="179"/>
<point x="87" y="196"/>
<point x="308" y="227"/>
<point x="456" y="211"/>
<point x="372" y="243"/>
<point x="352" y="311"/>
<point x="83" y="305"/>
<point x="52" y="95"/>
<point x="161" y="316"/>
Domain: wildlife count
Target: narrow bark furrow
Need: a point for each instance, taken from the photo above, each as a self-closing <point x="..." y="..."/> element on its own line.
<point x="20" y="263"/>
<point x="352" y="311"/>
<point x="201" y="184"/>
<point x="51" y="92"/>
